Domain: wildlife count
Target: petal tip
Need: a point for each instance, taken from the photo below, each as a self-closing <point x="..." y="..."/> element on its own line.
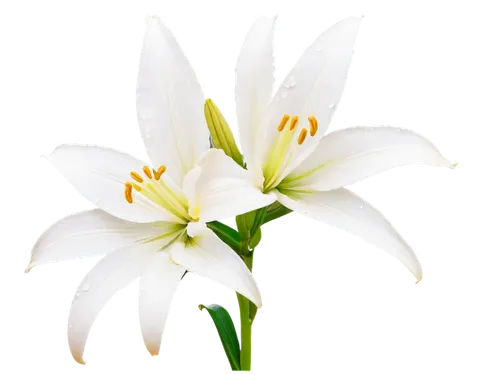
<point x="153" y="352"/>
<point x="454" y="164"/>
<point x="30" y="266"/>
<point x="79" y="361"/>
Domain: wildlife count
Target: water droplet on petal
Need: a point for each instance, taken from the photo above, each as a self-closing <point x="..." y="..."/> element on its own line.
<point x="86" y="287"/>
<point x="293" y="84"/>
<point x="286" y="85"/>
<point x="284" y="94"/>
<point x="331" y="106"/>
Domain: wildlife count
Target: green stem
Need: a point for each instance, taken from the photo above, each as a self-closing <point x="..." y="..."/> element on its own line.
<point x="246" y="324"/>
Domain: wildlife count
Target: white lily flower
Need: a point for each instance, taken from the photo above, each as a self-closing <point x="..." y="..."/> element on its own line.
<point x="150" y="222"/>
<point x="284" y="144"/>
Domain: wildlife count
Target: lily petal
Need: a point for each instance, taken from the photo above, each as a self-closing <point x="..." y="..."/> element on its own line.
<point x="344" y="209"/>
<point x="90" y="233"/>
<point x="219" y="188"/>
<point x="156" y="290"/>
<point x="169" y="103"/>
<point x="350" y="155"/>
<point x="210" y="257"/>
<point x="99" y="174"/>
<point x="254" y="81"/>
<point x="112" y="273"/>
<point x="313" y="87"/>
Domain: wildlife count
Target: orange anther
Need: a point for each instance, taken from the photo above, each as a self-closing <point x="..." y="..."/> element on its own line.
<point x="159" y="172"/>
<point x="283" y="122"/>
<point x="128" y="192"/>
<point x="313" y="125"/>
<point x="147" y="172"/>
<point x="294" y="122"/>
<point x="136" y="177"/>
<point x="302" y="136"/>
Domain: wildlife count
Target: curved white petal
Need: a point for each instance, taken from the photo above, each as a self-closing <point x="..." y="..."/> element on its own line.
<point x="350" y="155"/>
<point x="343" y="209"/>
<point x="99" y="174"/>
<point x="254" y="81"/>
<point x="112" y="273"/>
<point x="208" y="256"/>
<point x="313" y="87"/>
<point x="219" y="188"/>
<point x="88" y="234"/>
<point x="169" y="103"/>
<point x="156" y="290"/>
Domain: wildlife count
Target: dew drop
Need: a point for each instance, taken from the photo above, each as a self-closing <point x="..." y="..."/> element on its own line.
<point x="86" y="287"/>
<point x="331" y="106"/>
<point x="293" y="84"/>
<point x="284" y="94"/>
<point x="286" y="85"/>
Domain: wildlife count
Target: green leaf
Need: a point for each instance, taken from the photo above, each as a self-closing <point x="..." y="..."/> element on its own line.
<point x="227" y="234"/>
<point x="275" y="211"/>
<point x="227" y="333"/>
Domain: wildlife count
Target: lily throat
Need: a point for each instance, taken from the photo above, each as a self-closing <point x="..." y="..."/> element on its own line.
<point x="283" y="148"/>
<point x="150" y="188"/>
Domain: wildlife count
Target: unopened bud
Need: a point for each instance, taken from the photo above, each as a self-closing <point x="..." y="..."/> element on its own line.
<point x="222" y="136"/>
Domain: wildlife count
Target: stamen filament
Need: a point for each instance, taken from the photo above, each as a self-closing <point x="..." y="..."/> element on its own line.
<point x="169" y="204"/>
<point x="181" y="201"/>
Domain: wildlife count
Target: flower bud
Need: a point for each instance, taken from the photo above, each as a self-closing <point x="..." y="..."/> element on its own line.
<point x="222" y="137"/>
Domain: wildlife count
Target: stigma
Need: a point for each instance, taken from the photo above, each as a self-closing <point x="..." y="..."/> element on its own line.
<point x="150" y="187"/>
<point x="284" y="146"/>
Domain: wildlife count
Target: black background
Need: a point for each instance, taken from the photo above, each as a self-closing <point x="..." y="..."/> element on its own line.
<point x="332" y="304"/>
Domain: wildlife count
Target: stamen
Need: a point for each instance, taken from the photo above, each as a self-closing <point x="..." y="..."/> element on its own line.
<point x="313" y="125"/>
<point x="136" y="177"/>
<point x="147" y="172"/>
<point x="294" y="122"/>
<point x="302" y="136"/>
<point x="128" y="192"/>
<point x="283" y="122"/>
<point x="159" y="172"/>
<point x="136" y="187"/>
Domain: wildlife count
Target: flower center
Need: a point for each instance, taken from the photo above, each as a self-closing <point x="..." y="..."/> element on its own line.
<point x="151" y="187"/>
<point x="284" y="146"/>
